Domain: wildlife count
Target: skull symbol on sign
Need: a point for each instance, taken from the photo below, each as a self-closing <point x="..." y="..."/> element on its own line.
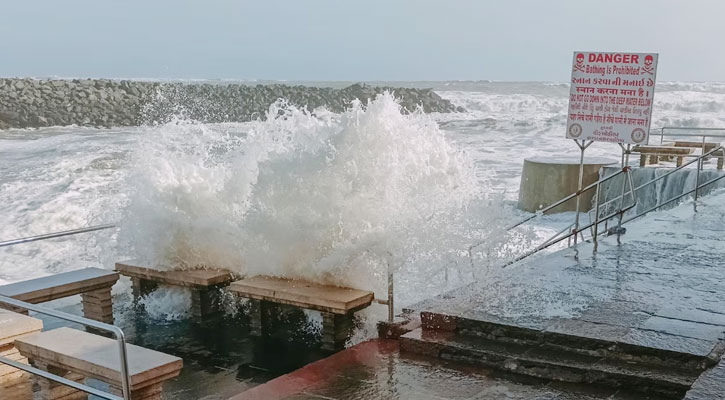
<point x="579" y="63"/>
<point x="648" y="67"/>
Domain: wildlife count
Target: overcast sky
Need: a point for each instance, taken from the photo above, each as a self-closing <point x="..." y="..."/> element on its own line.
<point x="353" y="40"/>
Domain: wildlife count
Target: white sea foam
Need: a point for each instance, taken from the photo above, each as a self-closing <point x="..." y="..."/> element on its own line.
<point x="330" y="198"/>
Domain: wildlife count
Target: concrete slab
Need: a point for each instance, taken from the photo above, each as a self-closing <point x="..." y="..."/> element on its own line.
<point x="60" y="285"/>
<point x="98" y="357"/>
<point x="14" y="326"/>
<point x="303" y="294"/>
<point x="202" y="277"/>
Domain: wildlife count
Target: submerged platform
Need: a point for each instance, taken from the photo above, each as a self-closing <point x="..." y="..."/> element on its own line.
<point x="378" y="370"/>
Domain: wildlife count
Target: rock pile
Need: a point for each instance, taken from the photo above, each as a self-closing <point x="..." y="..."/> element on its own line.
<point x="105" y="103"/>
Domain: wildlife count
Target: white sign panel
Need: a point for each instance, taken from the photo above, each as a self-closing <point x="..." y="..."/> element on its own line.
<point x="611" y="96"/>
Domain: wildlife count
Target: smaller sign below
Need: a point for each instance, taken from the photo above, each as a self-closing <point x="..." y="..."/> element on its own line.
<point x="611" y="96"/>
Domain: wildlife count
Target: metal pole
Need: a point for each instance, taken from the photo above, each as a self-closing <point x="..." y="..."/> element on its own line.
<point x="391" y="309"/>
<point x="582" y="147"/>
<point x="596" y="217"/>
<point x="697" y="183"/>
<point x="56" y="234"/>
<point x="621" y="200"/>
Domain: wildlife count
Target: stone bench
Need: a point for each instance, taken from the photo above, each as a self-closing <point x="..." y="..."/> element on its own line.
<point x="655" y="152"/>
<point x="93" y="284"/>
<point x="337" y="304"/>
<point x="201" y="282"/>
<point x="14" y="326"/>
<point x="77" y="355"/>
<point x="706" y="147"/>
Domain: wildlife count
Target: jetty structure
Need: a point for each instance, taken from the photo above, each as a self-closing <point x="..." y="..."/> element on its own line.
<point x="635" y="315"/>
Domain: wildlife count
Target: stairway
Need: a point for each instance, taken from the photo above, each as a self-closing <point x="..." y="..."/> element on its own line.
<point x="556" y="356"/>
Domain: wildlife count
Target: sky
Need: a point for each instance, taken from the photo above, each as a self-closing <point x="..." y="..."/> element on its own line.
<point x="371" y="40"/>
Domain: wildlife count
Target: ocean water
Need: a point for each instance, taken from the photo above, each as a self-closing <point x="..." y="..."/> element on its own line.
<point x="337" y="198"/>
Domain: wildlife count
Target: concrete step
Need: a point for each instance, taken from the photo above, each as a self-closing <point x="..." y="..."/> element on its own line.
<point x="586" y="338"/>
<point x="546" y="362"/>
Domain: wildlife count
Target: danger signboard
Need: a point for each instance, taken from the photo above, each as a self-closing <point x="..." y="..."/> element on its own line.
<point x="611" y="96"/>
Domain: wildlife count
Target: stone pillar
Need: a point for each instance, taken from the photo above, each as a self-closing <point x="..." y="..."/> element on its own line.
<point x="142" y="287"/>
<point x="98" y="305"/>
<point x="45" y="389"/>
<point x="150" y="392"/>
<point x="203" y="303"/>
<point x="10" y="375"/>
<point x="257" y="317"/>
<point x="336" y="330"/>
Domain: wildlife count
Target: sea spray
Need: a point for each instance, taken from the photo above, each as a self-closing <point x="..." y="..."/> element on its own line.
<point x="334" y="198"/>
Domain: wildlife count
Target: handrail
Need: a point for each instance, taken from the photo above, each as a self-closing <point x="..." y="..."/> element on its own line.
<point x="597" y="219"/>
<point x="55" y="235"/>
<point x="117" y="332"/>
<point x="668" y="173"/>
<point x="565" y="199"/>
<point x="684" y="128"/>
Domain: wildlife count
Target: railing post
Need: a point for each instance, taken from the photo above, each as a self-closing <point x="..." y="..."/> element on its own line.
<point x="697" y="182"/>
<point x="596" y="216"/>
<point x="391" y="294"/>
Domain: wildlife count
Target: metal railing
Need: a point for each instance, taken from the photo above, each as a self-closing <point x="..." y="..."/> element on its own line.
<point x="55" y="235"/>
<point x="620" y="210"/>
<point x="117" y="332"/>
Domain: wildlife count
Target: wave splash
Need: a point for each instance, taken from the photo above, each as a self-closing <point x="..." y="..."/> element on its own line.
<point x="334" y="198"/>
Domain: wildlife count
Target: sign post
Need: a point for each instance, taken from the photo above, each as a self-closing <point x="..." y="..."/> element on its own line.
<point x="610" y="100"/>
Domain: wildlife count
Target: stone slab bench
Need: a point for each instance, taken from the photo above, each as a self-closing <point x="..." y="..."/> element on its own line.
<point x="14" y="326"/>
<point x="201" y="282"/>
<point x="655" y="152"/>
<point x="337" y="304"/>
<point x="78" y="355"/>
<point x="708" y="146"/>
<point x="93" y="284"/>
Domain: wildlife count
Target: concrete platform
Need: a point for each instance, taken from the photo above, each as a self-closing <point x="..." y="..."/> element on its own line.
<point x="97" y="357"/>
<point x="203" y="283"/>
<point x="93" y="284"/>
<point x="651" y="309"/>
<point x="303" y="294"/>
<point x="194" y="278"/>
<point x="377" y="370"/>
<point x="337" y="304"/>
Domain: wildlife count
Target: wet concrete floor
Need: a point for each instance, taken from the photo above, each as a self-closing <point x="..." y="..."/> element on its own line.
<point x="662" y="287"/>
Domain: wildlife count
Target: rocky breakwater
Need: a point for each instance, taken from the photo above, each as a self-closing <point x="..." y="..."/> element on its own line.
<point x="105" y="103"/>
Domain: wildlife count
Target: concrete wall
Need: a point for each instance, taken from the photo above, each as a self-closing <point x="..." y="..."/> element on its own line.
<point x="105" y="103"/>
<point x="546" y="181"/>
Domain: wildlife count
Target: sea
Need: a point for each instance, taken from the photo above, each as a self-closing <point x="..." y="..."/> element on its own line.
<point x="344" y="198"/>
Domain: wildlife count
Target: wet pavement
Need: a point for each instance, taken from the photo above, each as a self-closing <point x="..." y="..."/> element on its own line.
<point x="377" y="370"/>
<point x="663" y="287"/>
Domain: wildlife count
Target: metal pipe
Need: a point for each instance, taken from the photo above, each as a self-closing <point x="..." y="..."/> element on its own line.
<point x="125" y="384"/>
<point x="711" y="181"/>
<point x="391" y="310"/>
<point x="668" y="173"/>
<point x="579" y="187"/>
<point x="565" y="199"/>
<point x="545" y="245"/>
<point x="596" y="217"/>
<point x="621" y="203"/>
<point x="59" y="379"/>
<point x="56" y="234"/>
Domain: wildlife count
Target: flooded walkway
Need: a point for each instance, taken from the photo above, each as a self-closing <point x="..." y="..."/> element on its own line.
<point x="648" y="312"/>
<point x="377" y="370"/>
